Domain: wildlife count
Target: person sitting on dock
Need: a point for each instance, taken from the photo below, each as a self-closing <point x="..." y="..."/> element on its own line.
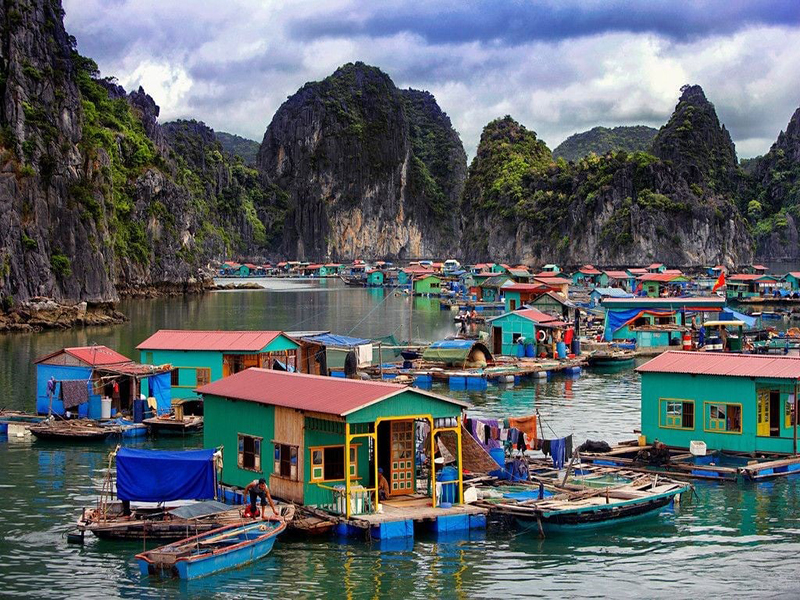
<point x="258" y="489"/>
<point x="383" y="486"/>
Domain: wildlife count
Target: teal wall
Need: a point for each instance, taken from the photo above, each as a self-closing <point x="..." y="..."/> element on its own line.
<point x="185" y="358"/>
<point x="650" y="339"/>
<point x="279" y="343"/>
<point x="703" y="389"/>
<point x="511" y="324"/>
<point x="375" y="278"/>
<point x="509" y="296"/>
<point x="224" y="420"/>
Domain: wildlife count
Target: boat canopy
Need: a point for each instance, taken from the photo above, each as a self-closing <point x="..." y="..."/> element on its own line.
<point x="164" y="475"/>
<point x="458" y="352"/>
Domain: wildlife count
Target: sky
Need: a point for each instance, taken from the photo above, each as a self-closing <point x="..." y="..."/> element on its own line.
<point x="558" y="67"/>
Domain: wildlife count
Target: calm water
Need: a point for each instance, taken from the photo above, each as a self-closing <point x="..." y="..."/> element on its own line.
<point x="732" y="540"/>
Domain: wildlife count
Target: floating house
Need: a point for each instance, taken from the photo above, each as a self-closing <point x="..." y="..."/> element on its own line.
<point x="589" y="276"/>
<point x="756" y="269"/>
<point x="375" y="277"/>
<point x="621" y="279"/>
<point x="654" y="322"/>
<point x="518" y="294"/>
<point x="554" y="304"/>
<point x="551" y="268"/>
<point x="732" y="402"/>
<point x="559" y="285"/>
<point x="598" y="294"/>
<point x="793" y="280"/>
<point x="337" y="348"/>
<point x="655" y="284"/>
<point x="656" y="268"/>
<point x="200" y="357"/>
<point x="511" y="329"/>
<point x="319" y="441"/>
<point x="82" y="376"/>
<point x="428" y="285"/>
<point x="749" y="285"/>
<point x="490" y="289"/>
<point x="520" y="274"/>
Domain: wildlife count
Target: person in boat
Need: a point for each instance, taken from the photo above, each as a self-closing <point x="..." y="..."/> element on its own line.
<point x="258" y="489"/>
<point x="723" y="336"/>
<point x="383" y="485"/>
<point x="473" y="316"/>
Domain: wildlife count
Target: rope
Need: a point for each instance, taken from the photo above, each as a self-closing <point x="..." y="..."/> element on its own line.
<point x="370" y="312"/>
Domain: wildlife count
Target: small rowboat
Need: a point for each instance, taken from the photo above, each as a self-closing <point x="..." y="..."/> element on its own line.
<point x="82" y="430"/>
<point x="568" y="512"/>
<point x="171" y="425"/>
<point x="224" y="548"/>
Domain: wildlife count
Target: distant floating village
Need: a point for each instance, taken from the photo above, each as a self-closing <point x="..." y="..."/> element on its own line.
<point x="355" y="437"/>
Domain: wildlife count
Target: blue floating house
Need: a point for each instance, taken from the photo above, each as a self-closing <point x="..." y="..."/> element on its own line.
<point x="598" y="294"/>
<point x="81" y="376"/>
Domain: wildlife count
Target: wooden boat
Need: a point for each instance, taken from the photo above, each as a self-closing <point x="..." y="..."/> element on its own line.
<point x="83" y="430"/>
<point x="219" y="549"/>
<point x="164" y="522"/>
<point x="171" y="425"/>
<point x="353" y="281"/>
<point x="570" y="511"/>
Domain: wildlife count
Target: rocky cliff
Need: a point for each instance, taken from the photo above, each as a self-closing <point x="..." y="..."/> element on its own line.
<point x="94" y="199"/>
<point x="600" y="140"/>
<point x="622" y="208"/>
<point x="236" y="145"/>
<point x="369" y="170"/>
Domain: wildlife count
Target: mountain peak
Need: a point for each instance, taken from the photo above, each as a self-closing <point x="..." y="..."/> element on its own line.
<point x="693" y="94"/>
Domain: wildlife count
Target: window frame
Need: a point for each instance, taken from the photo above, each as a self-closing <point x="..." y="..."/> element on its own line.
<point x="321" y="465"/>
<point x="665" y="423"/>
<point x="789" y="411"/>
<point x="278" y="460"/>
<point x="258" y="443"/>
<point x="206" y="380"/>
<point x="708" y="420"/>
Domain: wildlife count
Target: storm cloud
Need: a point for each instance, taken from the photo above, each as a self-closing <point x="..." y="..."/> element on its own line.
<point x="558" y="67"/>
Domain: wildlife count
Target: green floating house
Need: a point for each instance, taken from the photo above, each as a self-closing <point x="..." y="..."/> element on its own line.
<point x="750" y="285"/>
<point x="200" y="357"/>
<point x="655" y="322"/>
<point x="530" y="325"/>
<point x="428" y="285"/>
<point x="304" y="433"/>
<point x="732" y="402"/>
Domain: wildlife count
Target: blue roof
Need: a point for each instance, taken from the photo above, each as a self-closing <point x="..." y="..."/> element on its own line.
<point x="612" y="292"/>
<point x="331" y="339"/>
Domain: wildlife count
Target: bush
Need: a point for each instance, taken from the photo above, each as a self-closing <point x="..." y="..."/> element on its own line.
<point x="60" y="265"/>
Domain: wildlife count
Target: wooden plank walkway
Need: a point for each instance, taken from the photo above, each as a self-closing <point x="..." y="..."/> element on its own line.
<point x="416" y="508"/>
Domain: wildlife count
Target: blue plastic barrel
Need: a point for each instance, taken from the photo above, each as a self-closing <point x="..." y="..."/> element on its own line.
<point x="561" y="348"/>
<point x="530" y="350"/>
<point x="138" y="410"/>
<point x="95" y="407"/>
<point x="520" y="350"/>
<point x="576" y="346"/>
<point x="499" y="456"/>
<point x="449" y="490"/>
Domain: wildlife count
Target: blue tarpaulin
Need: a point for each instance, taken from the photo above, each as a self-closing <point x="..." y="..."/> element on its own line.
<point x="331" y="339"/>
<point x="159" y="386"/>
<point x="616" y="319"/>
<point x="731" y="315"/>
<point x="161" y="475"/>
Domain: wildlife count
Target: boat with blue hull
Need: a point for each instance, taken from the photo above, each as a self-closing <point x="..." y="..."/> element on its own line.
<point x="228" y="547"/>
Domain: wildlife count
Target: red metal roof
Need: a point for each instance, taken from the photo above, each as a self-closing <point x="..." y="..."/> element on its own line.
<point x="525" y="287"/>
<point x="680" y="301"/>
<point x="552" y="280"/>
<point x="666" y="277"/>
<point x="656" y="265"/>
<point x="91" y="355"/>
<point x="731" y="365"/>
<point x="617" y="274"/>
<point x="637" y="271"/>
<point x="751" y="277"/>
<point x="185" y="339"/>
<point x="588" y="270"/>
<point x="331" y="395"/>
<point x="538" y="316"/>
<point x="761" y="267"/>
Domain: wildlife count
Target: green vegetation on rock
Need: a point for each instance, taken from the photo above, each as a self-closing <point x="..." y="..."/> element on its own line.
<point x="600" y="140"/>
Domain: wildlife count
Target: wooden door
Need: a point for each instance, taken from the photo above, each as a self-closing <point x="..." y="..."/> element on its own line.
<point x="762" y="413"/>
<point x="497" y="340"/>
<point x="402" y="471"/>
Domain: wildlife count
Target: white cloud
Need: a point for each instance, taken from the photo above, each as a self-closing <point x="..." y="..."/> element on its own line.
<point x="233" y="64"/>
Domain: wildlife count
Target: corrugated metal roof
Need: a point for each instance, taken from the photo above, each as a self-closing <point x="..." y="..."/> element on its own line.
<point x="330" y="395"/>
<point x="525" y="287"/>
<point x="730" y="365"/>
<point x="751" y="277"/>
<point x="534" y="315"/>
<point x="617" y="274"/>
<point x="186" y="339"/>
<point x="91" y="355"/>
<point x="655" y="265"/>
<point x="664" y="277"/>
<point x="553" y="280"/>
<point x="715" y="301"/>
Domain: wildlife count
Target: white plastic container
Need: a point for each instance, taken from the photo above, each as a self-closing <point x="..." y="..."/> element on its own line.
<point x="697" y="448"/>
<point x="105" y="407"/>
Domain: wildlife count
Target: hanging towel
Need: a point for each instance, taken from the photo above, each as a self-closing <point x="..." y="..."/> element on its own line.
<point x="546" y="447"/>
<point x="568" y="447"/>
<point x="74" y="393"/>
<point x="503" y="435"/>
<point x="526" y="424"/>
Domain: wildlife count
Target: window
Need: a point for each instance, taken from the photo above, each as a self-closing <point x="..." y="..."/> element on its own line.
<point x="327" y="463"/>
<point x="724" y="418"/>
<point x="789" y="412"/>
<point x="285" y="463"/>
<point x="677" y="414"/>
<point x="175" y="377"/>
<point x="249" y="455"/>
<point x="203" y="376"/>
<point x="513" y="304"/>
